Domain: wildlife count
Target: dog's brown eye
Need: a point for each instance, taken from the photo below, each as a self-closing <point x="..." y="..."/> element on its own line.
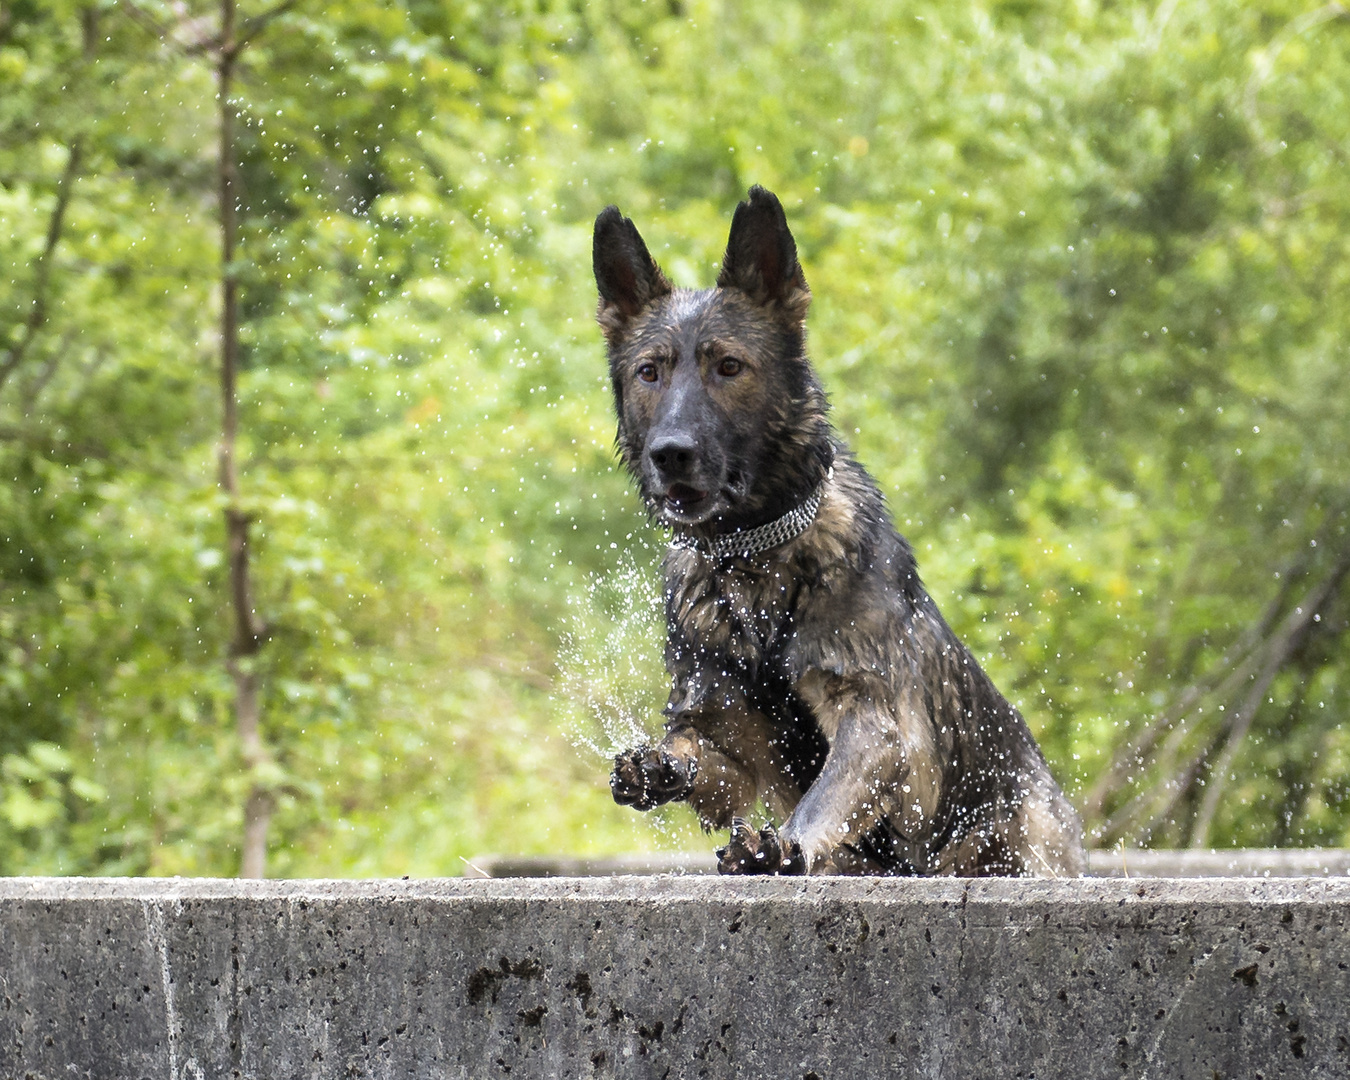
<point x="729" y="366"/>
<point x="647" y="373"/>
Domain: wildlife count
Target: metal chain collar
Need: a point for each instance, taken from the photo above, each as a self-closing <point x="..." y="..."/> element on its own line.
<point x="761" y="538"/>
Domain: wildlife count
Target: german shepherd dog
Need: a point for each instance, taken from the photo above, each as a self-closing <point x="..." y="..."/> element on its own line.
<point x="811" y="672"/>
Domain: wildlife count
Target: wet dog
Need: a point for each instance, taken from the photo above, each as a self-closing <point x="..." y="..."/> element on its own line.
<point x="811" y="672"/>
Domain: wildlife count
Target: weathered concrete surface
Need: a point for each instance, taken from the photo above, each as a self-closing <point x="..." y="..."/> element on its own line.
<point x="675" y="976"/>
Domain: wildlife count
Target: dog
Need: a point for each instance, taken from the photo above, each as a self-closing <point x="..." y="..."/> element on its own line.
<point x="811" y="673"/>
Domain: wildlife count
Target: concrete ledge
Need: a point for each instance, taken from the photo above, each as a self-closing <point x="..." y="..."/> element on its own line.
<point x="675" y="976"/>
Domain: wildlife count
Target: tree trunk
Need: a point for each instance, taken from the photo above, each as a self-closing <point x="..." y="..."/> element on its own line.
<point x="246" y="640"/>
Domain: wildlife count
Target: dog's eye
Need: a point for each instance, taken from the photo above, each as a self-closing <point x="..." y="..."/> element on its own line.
<point x="647" y="373"/>
<point x="729" y="366"/>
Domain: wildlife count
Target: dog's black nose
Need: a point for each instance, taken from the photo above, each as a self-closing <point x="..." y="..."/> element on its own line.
<point x="673" y="456"/>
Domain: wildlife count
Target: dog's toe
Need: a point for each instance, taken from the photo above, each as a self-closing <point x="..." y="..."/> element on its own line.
<point x="628" y="781"/>
<point x="770" y="853"/>
<point x="738" y="857"/>
<point x="669" y="778"/>
<point x="751" y="852"/>
<point x="792" y="862"/>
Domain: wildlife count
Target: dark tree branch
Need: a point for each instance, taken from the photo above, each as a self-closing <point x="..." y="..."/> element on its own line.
<point x="1297" y="626"/>
<point x="189" y="36"/>
<point x="1175" y="792"/>
<point x="38" y="383"/>
<point x="42" y="268"/>
<point x="1221" y="680"/>
<point x="258" y="23"/>
<point x="1263" y="663"/>
<point x="1297" y="774"/>
<point x="46" y="445"/>
<point x="144" y="19"/>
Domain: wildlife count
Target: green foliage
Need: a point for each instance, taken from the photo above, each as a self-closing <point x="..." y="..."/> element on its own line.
<point x="1080" y="279"/>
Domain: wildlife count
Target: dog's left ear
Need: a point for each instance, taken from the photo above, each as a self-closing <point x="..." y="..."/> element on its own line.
<point x="761" y="258"/>
<point x="625" y="272"/>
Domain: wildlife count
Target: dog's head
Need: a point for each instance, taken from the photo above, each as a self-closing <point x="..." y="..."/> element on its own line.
<point x="721" y="419"/>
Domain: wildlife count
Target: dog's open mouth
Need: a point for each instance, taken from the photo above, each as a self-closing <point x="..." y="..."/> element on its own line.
<point x="684" y="501"/>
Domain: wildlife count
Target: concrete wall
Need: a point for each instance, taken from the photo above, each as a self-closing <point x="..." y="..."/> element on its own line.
<point x="675" y="977"/>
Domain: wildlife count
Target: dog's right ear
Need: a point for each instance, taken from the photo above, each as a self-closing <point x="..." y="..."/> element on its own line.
<point x="625" y="272"/>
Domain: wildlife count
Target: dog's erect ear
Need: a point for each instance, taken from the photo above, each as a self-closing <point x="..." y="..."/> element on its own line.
<point x="625" y="272"/>
<point x="761" y="258"/>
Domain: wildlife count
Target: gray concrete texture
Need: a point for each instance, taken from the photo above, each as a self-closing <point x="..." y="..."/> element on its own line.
<point x="675" y="977"/>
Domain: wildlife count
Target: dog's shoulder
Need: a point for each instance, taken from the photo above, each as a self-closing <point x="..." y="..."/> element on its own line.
<point x="851" y="526"/>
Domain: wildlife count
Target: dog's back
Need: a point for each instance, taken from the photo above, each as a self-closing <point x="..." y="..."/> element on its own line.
<point x="810" y="669"/>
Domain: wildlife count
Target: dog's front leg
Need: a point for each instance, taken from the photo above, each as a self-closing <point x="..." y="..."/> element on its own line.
<point x="875" y="769"/>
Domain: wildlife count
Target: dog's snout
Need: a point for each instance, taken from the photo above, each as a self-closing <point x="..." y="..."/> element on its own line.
<point x="673" y="456"/>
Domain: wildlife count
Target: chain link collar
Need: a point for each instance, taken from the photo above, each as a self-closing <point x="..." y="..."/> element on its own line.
<point x="746" y="542"/>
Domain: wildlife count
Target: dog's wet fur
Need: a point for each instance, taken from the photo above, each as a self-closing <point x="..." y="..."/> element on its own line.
<point x="816" y="679"/>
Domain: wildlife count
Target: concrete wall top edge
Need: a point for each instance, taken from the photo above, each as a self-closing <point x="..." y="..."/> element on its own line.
<point x="675" y="888"/>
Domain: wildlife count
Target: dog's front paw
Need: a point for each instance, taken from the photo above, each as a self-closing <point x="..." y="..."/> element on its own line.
<point x="763" y="852"/>
<point x="647" y="776"/>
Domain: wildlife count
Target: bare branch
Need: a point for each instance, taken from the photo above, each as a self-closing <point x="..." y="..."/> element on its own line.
<point x="37" y="384"/>
<point x="1263" y="63"/>
<point x="144" y="19"/>
<point x="188" y="35"/>
<point x="34" y="437"/>
<point x="1222" y="679"/>
<point x="1292" y="636"/>
<point x="1169" y="797"/>
<point x="1260" y="665"/>
<point x="256" y="25"/>
<point x="42" y="269"/>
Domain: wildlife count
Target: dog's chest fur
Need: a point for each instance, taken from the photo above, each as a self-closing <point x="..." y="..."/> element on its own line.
<point x="738" y="610"/>
<point x="776" y="623"/>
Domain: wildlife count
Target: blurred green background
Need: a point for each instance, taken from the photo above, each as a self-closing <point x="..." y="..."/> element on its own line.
<point x="1082" y="280"/>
